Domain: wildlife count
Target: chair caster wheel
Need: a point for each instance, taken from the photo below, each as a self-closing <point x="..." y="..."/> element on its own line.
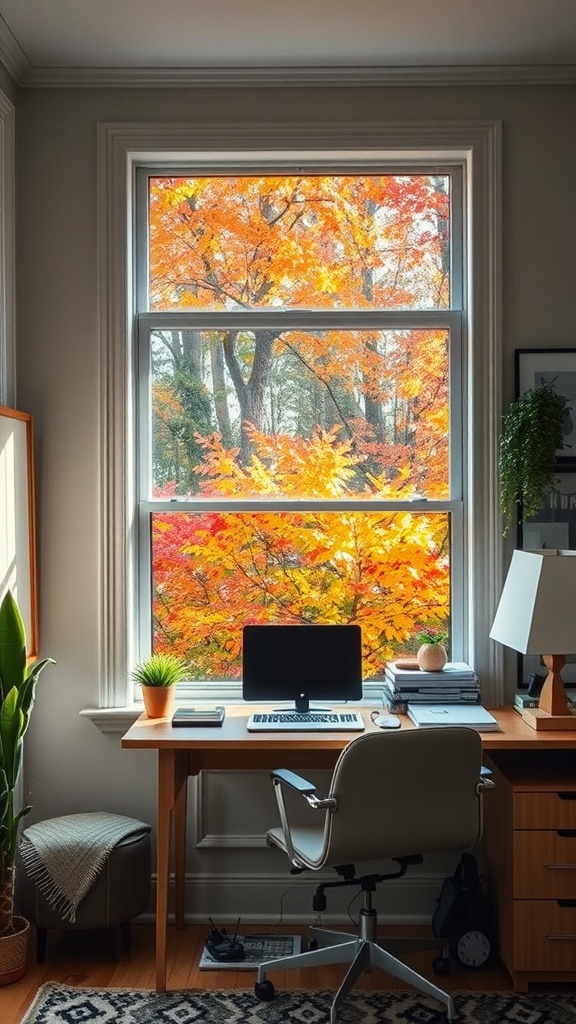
<point x="264" y="991"/>
<point x="441" y="965"/>
<point x="312" y="945"/>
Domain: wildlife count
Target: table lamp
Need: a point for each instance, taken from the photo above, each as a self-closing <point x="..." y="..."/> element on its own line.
<point x="537" y="615"/>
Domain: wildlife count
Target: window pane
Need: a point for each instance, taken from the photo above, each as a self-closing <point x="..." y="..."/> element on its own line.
<point x="300" y="414"/>
<point x="214" y="572"/>
<point x="299" y="242"/>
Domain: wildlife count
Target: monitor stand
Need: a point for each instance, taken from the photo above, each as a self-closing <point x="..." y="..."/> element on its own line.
<point x="301" y="707"/>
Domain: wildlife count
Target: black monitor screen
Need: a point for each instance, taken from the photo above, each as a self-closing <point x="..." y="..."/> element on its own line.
<point x="302" y="664"/>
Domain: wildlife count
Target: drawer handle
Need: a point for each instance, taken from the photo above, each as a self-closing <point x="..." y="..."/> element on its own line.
<point x="566" y="796"/>
<point x="566" y="833"/>
<point x="561" y="938"/>
<point x="560" y="867"/>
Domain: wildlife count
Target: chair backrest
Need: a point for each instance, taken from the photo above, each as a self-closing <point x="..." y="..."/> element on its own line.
<point x="405" y="793"/>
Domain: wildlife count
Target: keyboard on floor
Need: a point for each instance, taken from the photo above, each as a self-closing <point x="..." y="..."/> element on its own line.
<point x="312" y="721"/>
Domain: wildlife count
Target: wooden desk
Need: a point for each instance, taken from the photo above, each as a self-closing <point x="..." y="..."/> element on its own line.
<point x="184" y="752"/>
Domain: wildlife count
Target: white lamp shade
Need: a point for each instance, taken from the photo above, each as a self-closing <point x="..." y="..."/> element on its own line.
<point x="537" y="609"/>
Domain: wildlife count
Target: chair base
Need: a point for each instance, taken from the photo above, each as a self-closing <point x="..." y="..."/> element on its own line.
<point x="362" y="954"/>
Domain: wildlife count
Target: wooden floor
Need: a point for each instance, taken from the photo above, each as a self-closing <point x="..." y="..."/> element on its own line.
<point x="85" y="959"/>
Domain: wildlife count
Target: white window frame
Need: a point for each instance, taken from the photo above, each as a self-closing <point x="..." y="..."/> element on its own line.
<point x="121" y="149"/>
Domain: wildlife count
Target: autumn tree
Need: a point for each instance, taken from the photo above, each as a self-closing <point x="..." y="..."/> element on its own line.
<point x="285" y="410"/>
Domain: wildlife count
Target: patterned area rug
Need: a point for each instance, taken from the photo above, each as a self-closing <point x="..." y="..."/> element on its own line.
<point x="61" y="1004"/>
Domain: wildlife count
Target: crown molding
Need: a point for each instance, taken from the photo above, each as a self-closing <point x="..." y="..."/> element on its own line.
<point x="12" y="55"/>
<point x="293" y="77"/>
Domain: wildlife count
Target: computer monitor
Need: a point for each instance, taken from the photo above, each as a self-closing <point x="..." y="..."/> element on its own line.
<point x="301" y="664"/>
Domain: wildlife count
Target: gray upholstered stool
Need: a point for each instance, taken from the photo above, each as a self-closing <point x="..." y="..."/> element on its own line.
<point x="120" y="891"/>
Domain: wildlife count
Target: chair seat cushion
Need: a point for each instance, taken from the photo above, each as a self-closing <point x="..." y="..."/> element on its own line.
<point x="308" y="843"/>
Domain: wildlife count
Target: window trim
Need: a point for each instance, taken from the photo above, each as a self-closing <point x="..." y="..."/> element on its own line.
<point x="120" y="149"/>
<point x="7" y="253"/>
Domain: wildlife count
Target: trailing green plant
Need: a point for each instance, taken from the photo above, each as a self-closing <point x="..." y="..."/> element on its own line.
<point x="160" y="670"/>
<point x="532" y="433"/>
<point x="17" y="691"/>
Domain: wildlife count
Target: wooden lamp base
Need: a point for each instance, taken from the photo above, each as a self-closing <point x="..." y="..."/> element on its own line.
<point x="553" y="713"/>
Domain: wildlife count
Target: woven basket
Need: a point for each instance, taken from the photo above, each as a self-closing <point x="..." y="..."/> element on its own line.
<point x="13" y="952"/>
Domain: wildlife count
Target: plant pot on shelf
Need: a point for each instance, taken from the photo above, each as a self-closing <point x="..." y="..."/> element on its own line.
<point x="431" y="657"/>
<point x="158" y="701"/>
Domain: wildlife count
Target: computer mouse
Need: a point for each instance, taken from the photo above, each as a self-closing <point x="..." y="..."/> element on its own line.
<point x="387" y="722"/>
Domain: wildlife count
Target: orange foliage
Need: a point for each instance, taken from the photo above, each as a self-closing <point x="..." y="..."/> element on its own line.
<point x="290" y="414"/>
<point x="213" y="572"/>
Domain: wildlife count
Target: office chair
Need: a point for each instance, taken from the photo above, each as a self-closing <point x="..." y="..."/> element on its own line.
<point x="392" y="796"/>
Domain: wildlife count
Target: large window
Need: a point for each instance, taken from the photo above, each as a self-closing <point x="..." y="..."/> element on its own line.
<point x="301" y="406"/>
<point x="358" y="482"/>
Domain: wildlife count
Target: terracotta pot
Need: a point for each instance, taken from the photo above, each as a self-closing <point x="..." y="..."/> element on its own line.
<point x="432" y="657"/>
<point x="158" y="701"/>
<point x="14" y="952"/>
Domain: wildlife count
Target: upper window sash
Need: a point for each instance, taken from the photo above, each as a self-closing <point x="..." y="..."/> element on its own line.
<point x="306" y="165"/>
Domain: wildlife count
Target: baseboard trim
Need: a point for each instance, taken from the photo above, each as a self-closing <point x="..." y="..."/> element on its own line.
<point x="286" y="899"/>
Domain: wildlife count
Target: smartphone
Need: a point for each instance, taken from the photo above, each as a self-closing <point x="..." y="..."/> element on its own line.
<point x="187" y="717"/>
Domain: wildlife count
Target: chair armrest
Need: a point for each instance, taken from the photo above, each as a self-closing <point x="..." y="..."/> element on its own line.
<point x="485" y="781"/>
<point x="283" y="777"/>
<point x="288" y="778"/>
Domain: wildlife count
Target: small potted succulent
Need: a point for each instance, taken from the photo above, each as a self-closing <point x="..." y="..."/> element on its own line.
<point x="158" y="675"/>
<point x="431" y="656"/>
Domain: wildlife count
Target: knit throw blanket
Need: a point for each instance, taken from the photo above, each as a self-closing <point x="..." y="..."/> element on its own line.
<point x="65" y="855"/>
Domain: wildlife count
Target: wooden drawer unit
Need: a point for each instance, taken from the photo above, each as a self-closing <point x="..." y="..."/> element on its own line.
<point x="530" y="860"/>
<point x="545" y="935"/>
<point x="556" y="809"/>
<point x="544" y="865"/>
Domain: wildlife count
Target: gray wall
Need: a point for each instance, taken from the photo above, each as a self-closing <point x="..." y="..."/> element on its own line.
<point x="70" y="764"/>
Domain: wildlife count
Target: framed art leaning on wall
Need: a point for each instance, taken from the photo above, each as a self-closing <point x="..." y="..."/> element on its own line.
<point x="17" y="518"/>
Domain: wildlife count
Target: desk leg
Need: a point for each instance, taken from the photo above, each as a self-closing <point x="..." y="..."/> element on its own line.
<point x="180" y="808"/>
<point x="166" y="800"/>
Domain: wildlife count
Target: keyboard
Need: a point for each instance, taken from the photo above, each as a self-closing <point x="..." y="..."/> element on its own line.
<point x="312" y="721"/>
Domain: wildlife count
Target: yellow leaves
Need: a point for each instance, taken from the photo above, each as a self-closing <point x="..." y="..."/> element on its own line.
<point x="350" y="241"/>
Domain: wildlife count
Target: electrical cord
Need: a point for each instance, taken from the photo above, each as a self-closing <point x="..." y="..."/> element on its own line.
<point x="353" y="900"/>
<point x="274" y="927"/>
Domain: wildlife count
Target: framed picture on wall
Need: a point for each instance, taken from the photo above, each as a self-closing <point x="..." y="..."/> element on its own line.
<point x="556" y="366"/>
<point x="17" y="525"/>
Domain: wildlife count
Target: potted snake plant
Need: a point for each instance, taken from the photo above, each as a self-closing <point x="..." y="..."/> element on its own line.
<point x="17" y="690"/>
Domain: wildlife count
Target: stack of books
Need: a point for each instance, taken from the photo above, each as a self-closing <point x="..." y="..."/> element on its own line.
<point x="457" y="683"/>
<point x="523" y="700"/>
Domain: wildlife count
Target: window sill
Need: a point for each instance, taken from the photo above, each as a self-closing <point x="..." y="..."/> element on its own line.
<point x="119" y="720"/>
